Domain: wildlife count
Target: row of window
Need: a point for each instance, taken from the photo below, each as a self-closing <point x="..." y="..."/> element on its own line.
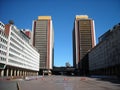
<point x="30" y="57"/>
<point x="2" y="59"/>
<point x="20" y="35"/>
<point x="3" y="40"/>
<point x="27" y="51"/>
<point x="3" y="53"/>
<point x="2" y="34"/>
<point x="3" y="46"/>
<point x="19" y="63"/>
<point x="16" y="57"/>
<point x="14" y="51"/>
<point x="20" y="45"/>
<point x="15" y="62"/>
<point x="17" y="38"/>
<point x="2" y="25"/>
<point x="14" y="46"/>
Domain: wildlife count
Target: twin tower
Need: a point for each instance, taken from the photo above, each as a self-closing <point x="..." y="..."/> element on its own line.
<point x="43" y="39"/>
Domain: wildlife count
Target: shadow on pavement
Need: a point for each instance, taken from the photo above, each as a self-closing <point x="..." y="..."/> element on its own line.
<point x="111" y="79"/>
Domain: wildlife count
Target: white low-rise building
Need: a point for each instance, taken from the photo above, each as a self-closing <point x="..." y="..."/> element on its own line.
<point x="22" y="58"/>
<point x="3" y="46"/>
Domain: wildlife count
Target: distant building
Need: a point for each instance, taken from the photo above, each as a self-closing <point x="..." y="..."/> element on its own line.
<point x="27" y="32"/>
<point x="20" y="58"/>
<point x="104" y="58"/>
<point x="43" y="40"/>
<point x="83" y="38"/>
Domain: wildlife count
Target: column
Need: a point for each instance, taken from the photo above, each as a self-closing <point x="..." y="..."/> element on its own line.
<point x="2" y="73"/>
<point x="18" y="73"/>
<point x="37" y="73"/>
<point x="14" y="72"/>
<point x="21" y="73"/>
<point x="24" y="73"/>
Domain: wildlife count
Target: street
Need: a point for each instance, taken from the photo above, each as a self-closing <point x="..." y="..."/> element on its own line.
<point x="62" y="83"/>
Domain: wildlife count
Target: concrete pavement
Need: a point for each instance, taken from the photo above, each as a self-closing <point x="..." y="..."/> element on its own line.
<point x="68" y="83"/>
<point x="60" y="83"/>
<point x="8" y="85"/>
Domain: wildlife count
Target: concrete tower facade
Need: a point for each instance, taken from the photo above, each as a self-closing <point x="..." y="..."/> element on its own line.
<point x="43" y="40"/>
<point x="83" y="38"/>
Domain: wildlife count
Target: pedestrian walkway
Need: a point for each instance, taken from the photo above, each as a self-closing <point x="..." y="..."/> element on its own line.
<point x="67" y="83"/>
<point x="58" y="83"/>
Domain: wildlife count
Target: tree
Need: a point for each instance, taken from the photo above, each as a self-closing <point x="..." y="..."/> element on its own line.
<point x="67" y="64"/>
<point x="11" y="22"/>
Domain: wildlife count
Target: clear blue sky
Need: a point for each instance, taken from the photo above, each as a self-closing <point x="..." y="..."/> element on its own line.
<point x="105" y="13"/>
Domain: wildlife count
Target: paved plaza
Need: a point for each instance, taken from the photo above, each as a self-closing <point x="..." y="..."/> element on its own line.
<point x="61" y="83"/>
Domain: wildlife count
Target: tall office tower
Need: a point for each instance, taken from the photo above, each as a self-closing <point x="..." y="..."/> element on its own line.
<point x="83" y="38"/>
<point x="43" y="40"/>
